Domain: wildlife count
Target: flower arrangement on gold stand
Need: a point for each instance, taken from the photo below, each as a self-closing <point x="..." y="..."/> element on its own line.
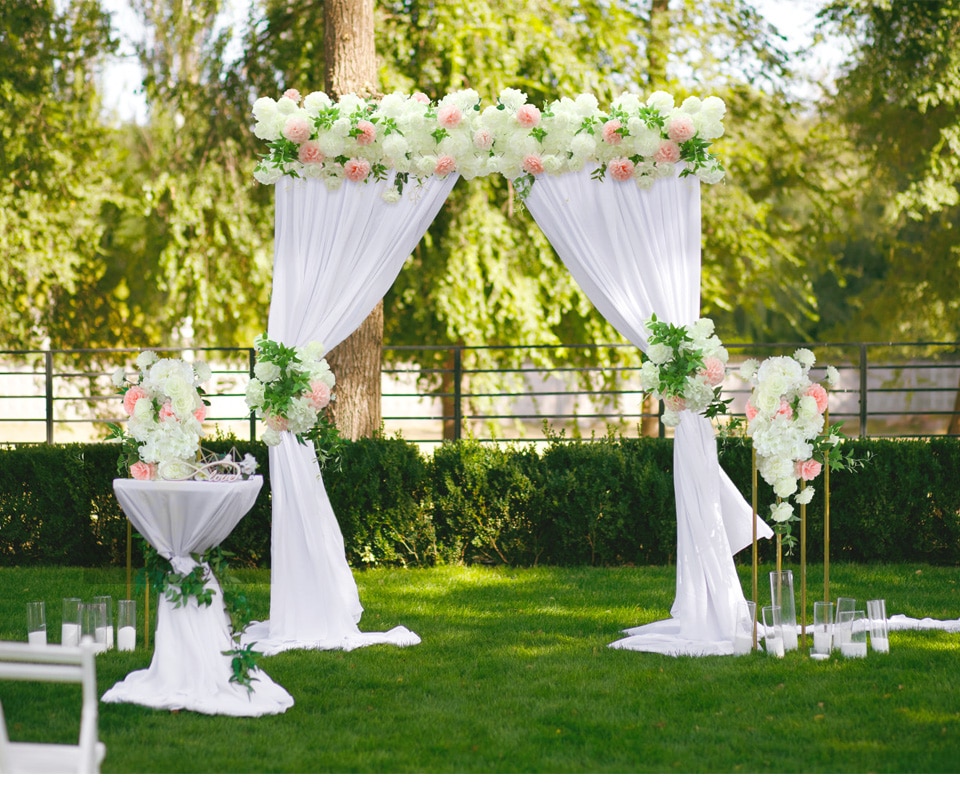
<point x="685" y="367"/>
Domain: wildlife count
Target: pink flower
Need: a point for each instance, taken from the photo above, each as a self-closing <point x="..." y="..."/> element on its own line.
<point x="275" y="422"/>
<point x="528" y="116"/>
<point x="143" y="471"/>
<point x="200" y="413"/>
<point x="818" y="394"/>
<point x="483" y="139"/>
<point x="293" y="94"/>
<point x="669" y="152"/>
<point x="319" y="395"/>
<point x="532" y="164"/>
<point x="420" y="98"/>
<point x="620" y="168"/>
<point x="310" y="152"/>
<point x="296" y="129"/>
<point x="751" y="411"/>
<point x="166" y="411"/>
<point x="713" y="371"/>
<point x="132" y="396"/>
<point x="808" y="470"/>
<point x="445" y="166"/>
<point x="366" y="132"/>
<point x="785" y="408"/>
<point x="611" y="132"/>
<point x="356" y="169"/>
<point x="675" y="403"/>
<point x="449" y="117"/>
<point x="681" y="129"/>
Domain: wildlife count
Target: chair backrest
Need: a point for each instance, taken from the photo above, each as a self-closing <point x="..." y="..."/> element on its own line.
<point x="55" y="663"/>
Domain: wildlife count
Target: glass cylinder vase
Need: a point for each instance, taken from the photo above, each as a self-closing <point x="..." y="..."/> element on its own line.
<point x="781" y="591"/>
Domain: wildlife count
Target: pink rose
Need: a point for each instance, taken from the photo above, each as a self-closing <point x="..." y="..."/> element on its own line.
<point x="449" y="117"/>
<point x="681" y="129"/>
<point x="713" y="371"/>
<point x="356" y="169"/>
<point x="420" y="98"/>
<point x="528" y="116"/>
<point x="483" y="139"/>
<point x="200" y="413"/>
<point x="669" y="152"/>
<point x="532" y="164"/>
<point x="296" y="129"/>
<point x="808" y="470"/>
<point x="310" y="152"/>
<point x="445" y="166"/>
<point x="132" y="396"/>
<point x="620" y="168"/>
<point x="293" y="94"/>
<point x="366" y="132"/>
<point x="785" y="408"/>
<point x="166" y="411"/>
<point x="143" y="471"/>
<point x="751" y="411"/>
<point x="275" y="422"/>
<point x="611" y="132"/>
<point x="319" y="395"/>
<point x="818" y="394"/>
<point x="675" y="403"/>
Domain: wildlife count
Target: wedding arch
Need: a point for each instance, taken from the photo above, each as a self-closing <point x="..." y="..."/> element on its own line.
<point x="617" y="193"/>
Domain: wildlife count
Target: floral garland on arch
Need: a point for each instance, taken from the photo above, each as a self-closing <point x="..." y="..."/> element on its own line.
<point x="785" y="419"/>
<point x="290" y="390"/>
<point x="363" y="140"/>
<point x="685" y="367"/>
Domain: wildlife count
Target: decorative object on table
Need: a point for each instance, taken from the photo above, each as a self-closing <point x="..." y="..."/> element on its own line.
<point x="126" y="625"/>
<point x="70" y="622"/>
<point x="402" y="136"/>
<point x="37" y="623"/>
<point x="854" y="623"/>
<point x="744" y="634"/>
<point x="823" y="620"/>
<point x="877" y="614"/>
<point x="781" y="595"/>
<point x="290" y="390"/>
<point x="685" y="368"/>
<point x="772" y="631"/>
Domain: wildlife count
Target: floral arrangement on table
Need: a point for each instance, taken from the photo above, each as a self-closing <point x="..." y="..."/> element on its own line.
<point x="785" y="419"/>
<point x="166" y="409"/>
<point x="290" y="390"/>
<point x="685" y="367"/>
<point x="363" y="140"/>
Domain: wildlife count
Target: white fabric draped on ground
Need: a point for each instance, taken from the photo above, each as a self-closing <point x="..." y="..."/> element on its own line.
<point x="636" y="252"/>
<point x="336" y="254"/>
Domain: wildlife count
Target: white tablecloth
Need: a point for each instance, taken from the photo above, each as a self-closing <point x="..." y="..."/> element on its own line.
<point x="189" y="671"/>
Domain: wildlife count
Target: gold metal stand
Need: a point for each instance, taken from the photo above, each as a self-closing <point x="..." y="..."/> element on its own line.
<point x="803" y="571"/>
<point x="826" y="518"/>
<point x="753" y="481"/>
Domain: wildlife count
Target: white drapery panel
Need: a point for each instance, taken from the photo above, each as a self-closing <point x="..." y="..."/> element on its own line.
<point x="636" y="252"/>
<point x="336" y="254"/>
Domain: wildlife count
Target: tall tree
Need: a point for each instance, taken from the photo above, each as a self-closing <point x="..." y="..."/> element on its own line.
<point x="350" y="66"/>
<point x="53" y="187"/>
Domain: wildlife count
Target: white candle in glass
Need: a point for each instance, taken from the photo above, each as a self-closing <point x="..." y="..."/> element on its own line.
<point x="742" y="644"/>
<point x="126" y="638"/>
<point x="69" y="634"/>
<point x="821" y="641"/>
<point x="880" y="645"/>
<point x="37" y="638"/>
<point x="774" y="646"/>
<point x="854" y="649"/>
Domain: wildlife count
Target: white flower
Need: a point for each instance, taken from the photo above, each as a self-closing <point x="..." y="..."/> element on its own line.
<point x="266" y="371"/>
<point x="254" y="395"/>
<point x="661" y="100"/>
<point x="119" y="378"/>
<point x="804" y="357"/>
<point x="832" y="377"/>
<point x="670" y="418"/>
<point x="781" y="512"/>
<point x="146" y="359"/>
<point x="659" y="353"/>
<point x="804" y="497"/>
<point x="748" y="368"/>
<point x="202" y="370"/>
<point x="272" y="438"/>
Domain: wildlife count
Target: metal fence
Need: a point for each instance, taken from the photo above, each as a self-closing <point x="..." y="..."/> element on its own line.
<point x="492" y="393"/>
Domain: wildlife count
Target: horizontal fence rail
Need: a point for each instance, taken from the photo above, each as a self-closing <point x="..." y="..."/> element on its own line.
<point x="492" y="393"/>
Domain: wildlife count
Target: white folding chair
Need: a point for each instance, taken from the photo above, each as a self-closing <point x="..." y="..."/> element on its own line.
<point x="53" y="663"/>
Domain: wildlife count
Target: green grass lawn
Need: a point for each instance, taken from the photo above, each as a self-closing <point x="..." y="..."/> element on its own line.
<point x="514" y="675"/>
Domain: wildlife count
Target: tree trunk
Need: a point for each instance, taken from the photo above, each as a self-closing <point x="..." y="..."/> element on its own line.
<point x="658" y="45"/>
<point x="350" y="66"/>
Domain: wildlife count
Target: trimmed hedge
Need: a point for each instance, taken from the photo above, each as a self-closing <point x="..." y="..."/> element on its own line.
<point x="600" y="502"/>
